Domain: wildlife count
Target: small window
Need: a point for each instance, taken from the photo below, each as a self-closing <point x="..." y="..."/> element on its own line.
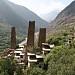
<point x="17" y="54"/>
<point x="22" y="61"/>
<point x="21" y="56"/>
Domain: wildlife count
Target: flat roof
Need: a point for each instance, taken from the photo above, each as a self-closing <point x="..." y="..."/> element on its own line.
<point x="32" y="60"/>
<point x="20" y="49"/>
<point x="31" y="54"/>
<point x="17" y="52"/>
<point x="51" y="46"/>
<point x="45" y="44"/>
<point x="22" y="54"/>
<point x="40" y="56"/>
<point x="17" y="56"/>
<point x="44" y="49"/>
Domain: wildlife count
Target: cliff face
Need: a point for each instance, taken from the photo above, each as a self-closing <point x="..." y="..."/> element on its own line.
<point x="64" y="20"/>
<point x="69" y="11"/>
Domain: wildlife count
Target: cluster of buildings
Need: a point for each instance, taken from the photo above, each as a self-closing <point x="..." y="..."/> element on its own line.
<point x="25" y="53"/>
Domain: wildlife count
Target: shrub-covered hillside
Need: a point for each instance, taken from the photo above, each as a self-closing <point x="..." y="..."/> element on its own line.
<point x="61" y="59"/>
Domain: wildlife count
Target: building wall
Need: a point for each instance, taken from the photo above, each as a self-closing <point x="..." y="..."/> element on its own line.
<point x="13" y="38"/>
<point x="42" y="37"/>
<point x="30" y="40"/>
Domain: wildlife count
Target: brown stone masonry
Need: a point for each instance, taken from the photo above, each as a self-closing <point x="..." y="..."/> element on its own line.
<point x="42" y="37"/>
<point x="13" y="38"/>
<point x="30" y="40"/>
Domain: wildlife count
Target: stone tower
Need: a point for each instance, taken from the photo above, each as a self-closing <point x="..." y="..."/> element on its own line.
<point x="30" y="39"/>
<point x="13" y="38"/>
<point x="42" y="37"/>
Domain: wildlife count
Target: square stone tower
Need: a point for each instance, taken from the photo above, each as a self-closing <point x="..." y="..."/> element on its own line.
<point x="42" y="37"/>
<point x="13" y="38"/>
<point x="30" y="39"/>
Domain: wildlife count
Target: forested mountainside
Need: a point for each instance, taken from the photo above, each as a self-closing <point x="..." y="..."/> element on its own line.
<point x="19" y="17"/>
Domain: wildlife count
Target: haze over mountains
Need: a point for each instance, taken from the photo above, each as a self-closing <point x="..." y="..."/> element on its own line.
<point x="19" y="16"/>
<point x="64" y="20"/>
<point x="50" y="16"/>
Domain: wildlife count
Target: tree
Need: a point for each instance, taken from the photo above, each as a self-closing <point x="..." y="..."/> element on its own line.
<point x="56" y="41"/>
<point x="7" y="66"/>
<point x="35" y="71"/>
<point x="61" y="61"/>
<point x="19" y="70"/>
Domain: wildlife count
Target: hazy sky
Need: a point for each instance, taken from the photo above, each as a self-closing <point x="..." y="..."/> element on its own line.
<point x="43" y="6"/>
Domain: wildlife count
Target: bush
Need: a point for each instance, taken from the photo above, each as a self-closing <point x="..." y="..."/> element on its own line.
<point x="19" y="70"/>
<point x="36" y="71"/>
<point x="61" y="61"/>
<point x="7" y="66"/>
<point x="56" y="41"/>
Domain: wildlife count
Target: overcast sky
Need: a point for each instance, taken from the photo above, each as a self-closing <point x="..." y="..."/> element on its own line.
<point x="43" y="6"/>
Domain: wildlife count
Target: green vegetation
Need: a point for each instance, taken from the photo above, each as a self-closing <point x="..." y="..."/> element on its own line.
<point x="35" y="71"/>
<point x="61" y="59"/>
<point x="5" y="40"/>
<point x="19" y="70"/>
<point x="8" y="67"/>
<point x="5" y="36"/>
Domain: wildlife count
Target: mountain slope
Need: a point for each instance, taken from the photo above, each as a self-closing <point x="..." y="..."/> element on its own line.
<point x="64" y="20"/>
<point x="8" y="16"/>
<point x="18" y="16"/>
<point x="28" y="15"/>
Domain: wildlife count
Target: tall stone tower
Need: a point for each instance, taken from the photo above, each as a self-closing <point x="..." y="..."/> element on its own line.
<point x="42" y="37"/>
<point x="13" y="38"/>
<point x="30" y="39"/>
